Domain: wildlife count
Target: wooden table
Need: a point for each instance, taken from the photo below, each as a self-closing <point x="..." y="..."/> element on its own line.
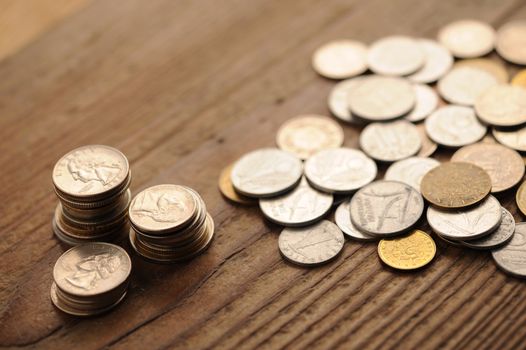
<point x="184" y="88"/>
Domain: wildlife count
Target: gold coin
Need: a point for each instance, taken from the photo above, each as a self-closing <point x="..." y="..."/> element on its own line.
<point x="455" y="185"/>
<point x="519" y="79"/>
<point x="410" y="252"/>
<point x="228" y="191"/>
<point x="495" y="68"/>
<point x="520" y="198"/>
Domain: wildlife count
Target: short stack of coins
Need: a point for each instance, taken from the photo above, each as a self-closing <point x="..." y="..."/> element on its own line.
<point x="91" y="183"/>
<point x="90" y="279"/>
<point x="169" y="223"/>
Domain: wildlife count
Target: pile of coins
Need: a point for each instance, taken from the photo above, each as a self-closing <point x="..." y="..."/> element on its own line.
<point x="169" y="223"/>
<point x="421" y="94"/>
<point x="91" y="183"/>
<point x="90" y="279"/>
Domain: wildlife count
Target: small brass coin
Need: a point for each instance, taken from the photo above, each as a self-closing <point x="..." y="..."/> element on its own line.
<point x="410" y="252"/>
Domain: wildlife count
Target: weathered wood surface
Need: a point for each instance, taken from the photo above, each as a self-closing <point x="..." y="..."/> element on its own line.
<point x="183" y="88"/>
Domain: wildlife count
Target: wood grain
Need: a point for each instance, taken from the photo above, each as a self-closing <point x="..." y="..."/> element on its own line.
<point x="183" y="89"/>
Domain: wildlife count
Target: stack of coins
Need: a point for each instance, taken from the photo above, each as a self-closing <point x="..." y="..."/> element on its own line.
<point x="169" y="223"/>
<point x="91" y="183"/>
<point x="90" y="279"/>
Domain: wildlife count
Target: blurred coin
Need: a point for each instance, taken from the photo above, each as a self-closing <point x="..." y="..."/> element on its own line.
<point x="389" y="142"/>
<point x="340" y="59"/>
<point x="466" y="223"/>
<point x="462" y="85"/>
<point x="227" y="190"/>
<point x="519" y="79"/>
<point x="311" y="245"/>
<point x="498" y="237"/>
<point x="502" y="105"/>
<point x="302" y="206"/>
<point x="266" y="172"/>
<point x="340" y="170"/>
<point x="512" y="256"/>
<point x="343" y="220"/>
<point x="467" y="38"/>
<point x="438" y="61"/>
<point x="495" y="68"/>
<point x="520" y="198"/>
<point x="386" y="208"/>
<point x="426" y="103"/>
<point x="411" y="170"/>
<point x="515" y="139"/>
<point x="455" y="185"/>
<point x="409" y="252"/>
<point x="511" y="41"/>
<point x="395" y="55"/>
<point x="454" y="126"/>
<point x="428" y="146"/>
<point x="448" y="241"/>
<point x="307" y="134"/>
<point x="338" y="100"/>
<point x="504" y="166"/>
<point x="379" y="98"/>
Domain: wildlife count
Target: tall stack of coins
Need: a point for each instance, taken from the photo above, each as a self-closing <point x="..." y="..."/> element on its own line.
<point x="91" y="183"/>
<point x="90" y="279"/>
<point x="169" y="224"/>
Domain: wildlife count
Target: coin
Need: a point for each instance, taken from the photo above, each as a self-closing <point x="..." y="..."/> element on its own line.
<point x="342" y="217"/>
<point x="498" y="237"/>
<point x="340" y="59"/>
<point x="454" y="126"/>
<point x="467" y="38"/>
<point x="302" y="206"/>
<point x="428" y="146"/>
<point x="426" y="103"/>
<point x="386" y="208"/>
<point x="455" y="185"/>
<point x="462" y="85"/>
<point x="511" y="41"/>
<point x="495" y="68"/>
<point x="515" y="139"/>
<point x="378" y="98"/>
<point x="338" y="100"/>
<point x="504" y="166"/>
<point x="266" y="172"/>
<point x="409" y="252"/>
<point x="311" y="245"/>
<point x="519" y="79"/>
<point x="520" y="198"/>
<point x="307" y="134"/>
<point x="340" y="170"/>
<point x="466" y="224"/>
<point x="511" y="258"/>
<point x="395" y="55"/>
<point x="411" y="170"/>
<point x="502" y="105"/>
<point x="438" y="61"/>
<point x="227" y="189"/>
<point x="391" y="141"/>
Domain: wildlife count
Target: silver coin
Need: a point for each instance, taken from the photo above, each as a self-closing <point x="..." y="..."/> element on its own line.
<point x="454" y="126"/>
<point x="379" y="98"/>
<point x="466" y="224"/>
<point x="343" y="220"/>
<point x="515" y="139"/>
<point x="302" y="206"/>
<point x="438" y="62"/>
<point x="411" y="170"/>
<point x="311" y="245"/>
<point x="395" y="55"/>
<point x="337" y="100"/>
<point x="426" y="103"/>
<point x="448" y="241"/>
<point x="511" y="41"/>
<point x="386" y="208"/>
<point x="498" y="237"/>
<point x="392" y="141"/>
<point x="468" y="38"/>
<point x="340" y="59"/>
<point x="463" y="84"/>
<point x="511" y="257"/>
<point x="266" y="172"/>
<point x="340" y="170"/>
<point x="502" y="105"/>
